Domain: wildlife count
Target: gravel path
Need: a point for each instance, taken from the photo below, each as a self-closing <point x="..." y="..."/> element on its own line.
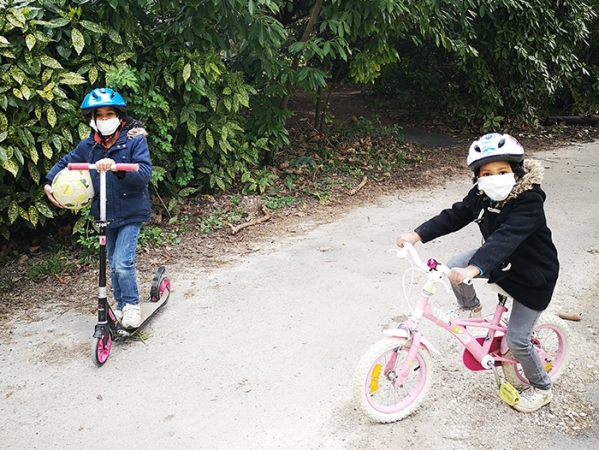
<point x="259" y="352"/>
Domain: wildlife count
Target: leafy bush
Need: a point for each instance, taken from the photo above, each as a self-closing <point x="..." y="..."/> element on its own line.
<point x="519" y="63"/>
<point x="211" y="79"/>
<point x="53" y="52"/>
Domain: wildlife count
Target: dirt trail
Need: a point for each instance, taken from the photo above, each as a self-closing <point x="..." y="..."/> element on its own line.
<point x="259" y="353"/>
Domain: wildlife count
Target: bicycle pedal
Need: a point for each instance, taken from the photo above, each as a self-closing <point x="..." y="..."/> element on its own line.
<point x="509" y="394"/>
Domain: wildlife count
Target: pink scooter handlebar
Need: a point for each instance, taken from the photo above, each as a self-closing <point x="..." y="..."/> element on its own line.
<point x="125" y="167"/>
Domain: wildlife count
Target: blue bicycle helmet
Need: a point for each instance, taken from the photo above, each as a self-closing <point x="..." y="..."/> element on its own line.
<point x="103" y="97"/>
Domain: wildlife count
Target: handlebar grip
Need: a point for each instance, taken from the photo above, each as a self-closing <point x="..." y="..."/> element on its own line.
<point x="124" y="167"/>
<point x="79" y="166"/>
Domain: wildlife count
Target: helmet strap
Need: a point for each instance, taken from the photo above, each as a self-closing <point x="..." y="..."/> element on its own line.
<point x="103" y="140"/>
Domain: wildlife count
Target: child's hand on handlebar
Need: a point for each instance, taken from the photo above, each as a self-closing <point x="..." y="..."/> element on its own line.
<point x="457" y="275"/>
<point x="410" y="238"/>
<point x="104" y="165"/>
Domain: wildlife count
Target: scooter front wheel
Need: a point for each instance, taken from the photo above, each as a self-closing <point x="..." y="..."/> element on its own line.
<point x="101" y="349"/>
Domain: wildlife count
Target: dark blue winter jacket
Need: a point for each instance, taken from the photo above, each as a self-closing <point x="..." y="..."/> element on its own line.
<point x="127" y="195"/>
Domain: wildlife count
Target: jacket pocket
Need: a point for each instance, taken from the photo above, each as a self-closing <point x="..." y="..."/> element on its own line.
<point x="536" y="277"/>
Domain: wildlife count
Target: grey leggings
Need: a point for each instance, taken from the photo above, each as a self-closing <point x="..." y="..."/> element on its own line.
<point x="520" y="326"/>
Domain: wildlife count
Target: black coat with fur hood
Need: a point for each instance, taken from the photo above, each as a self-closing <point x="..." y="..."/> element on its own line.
<point x="518" y="253"/>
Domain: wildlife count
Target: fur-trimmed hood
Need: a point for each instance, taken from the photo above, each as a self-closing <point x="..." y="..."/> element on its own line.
<point x="534" y="171"/>
<point x="134" y="128"/>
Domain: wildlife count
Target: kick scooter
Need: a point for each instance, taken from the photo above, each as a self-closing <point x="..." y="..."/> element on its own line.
<point x="108" y="327"/>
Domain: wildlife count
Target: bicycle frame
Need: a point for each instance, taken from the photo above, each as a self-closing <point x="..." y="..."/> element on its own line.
<point x="486" y="351"/>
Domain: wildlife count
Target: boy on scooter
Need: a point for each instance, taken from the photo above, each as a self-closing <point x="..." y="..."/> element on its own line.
<point x="115" y="138"/>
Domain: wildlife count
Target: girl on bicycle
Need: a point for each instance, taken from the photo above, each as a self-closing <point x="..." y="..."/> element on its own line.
<point x="115" y="138"/>
<point x="517" y="252"/>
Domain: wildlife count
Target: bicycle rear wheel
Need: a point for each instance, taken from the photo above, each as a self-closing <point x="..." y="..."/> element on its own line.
<point x="374" y="381"/>
<point x="550" y="340"/>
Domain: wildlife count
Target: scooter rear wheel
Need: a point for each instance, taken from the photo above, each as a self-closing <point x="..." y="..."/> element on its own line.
<point x="161" y="286"/>
<point x="101" y="349"/>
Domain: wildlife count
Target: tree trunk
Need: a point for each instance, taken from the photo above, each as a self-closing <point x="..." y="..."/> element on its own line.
<point x="269" y="156"/>
<point x="305" y="36"/>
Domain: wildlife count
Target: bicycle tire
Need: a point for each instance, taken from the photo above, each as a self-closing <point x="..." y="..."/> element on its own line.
<point x="375" y="393"/>
<point x="550" y="339"/>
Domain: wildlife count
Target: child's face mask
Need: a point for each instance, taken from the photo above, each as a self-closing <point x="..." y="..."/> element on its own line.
<point x="106" y="127"/>
<point x="497" y="187"/>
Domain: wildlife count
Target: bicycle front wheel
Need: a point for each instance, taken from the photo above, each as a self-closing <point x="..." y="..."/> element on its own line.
<point x="550" y="340"/>
<point x="375" y="390"/>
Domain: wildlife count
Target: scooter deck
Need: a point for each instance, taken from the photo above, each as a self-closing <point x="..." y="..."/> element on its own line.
<point x="148" y="309"/>
<point x="159" y="295"/>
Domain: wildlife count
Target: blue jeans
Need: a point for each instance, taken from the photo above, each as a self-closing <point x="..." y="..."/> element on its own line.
<point x="120" y="248"/>
<point x="520" y="326"/>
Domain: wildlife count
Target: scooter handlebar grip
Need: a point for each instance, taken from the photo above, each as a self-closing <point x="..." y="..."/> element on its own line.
<point x="126" y="167"/>
<point x="78" y="166"/>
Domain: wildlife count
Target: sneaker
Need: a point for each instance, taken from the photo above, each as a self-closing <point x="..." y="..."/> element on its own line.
<point x="118" y="313"/>
<point x="532" y="399"/>
<point x="469" y="313"/>
<point x="131" y="316"/>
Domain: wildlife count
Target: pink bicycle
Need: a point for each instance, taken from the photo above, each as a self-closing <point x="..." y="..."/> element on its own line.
<point x="395" y="374"/>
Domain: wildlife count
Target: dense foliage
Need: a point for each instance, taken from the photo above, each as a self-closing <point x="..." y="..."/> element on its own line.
<point x="211" y="79"/>
<point x="527" y="60"/>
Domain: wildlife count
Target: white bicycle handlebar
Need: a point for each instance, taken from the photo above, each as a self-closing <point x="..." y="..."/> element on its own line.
<point x="432" y="267"/>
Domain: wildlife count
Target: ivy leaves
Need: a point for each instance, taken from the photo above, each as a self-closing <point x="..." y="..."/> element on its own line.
<point x="38" y="76"/>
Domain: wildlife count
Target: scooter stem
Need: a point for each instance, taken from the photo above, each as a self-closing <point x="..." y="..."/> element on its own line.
<point x="103" y="197"/>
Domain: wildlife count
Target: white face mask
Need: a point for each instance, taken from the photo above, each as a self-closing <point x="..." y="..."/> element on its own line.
<point x="105" y="127"/>
<point x="497" y="187"/>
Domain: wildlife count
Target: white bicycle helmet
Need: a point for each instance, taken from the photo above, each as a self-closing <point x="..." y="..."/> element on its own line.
<point x="494" y="147"/>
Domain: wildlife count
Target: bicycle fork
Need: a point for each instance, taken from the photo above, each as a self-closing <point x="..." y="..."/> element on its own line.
<point x="402" y="376"/>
